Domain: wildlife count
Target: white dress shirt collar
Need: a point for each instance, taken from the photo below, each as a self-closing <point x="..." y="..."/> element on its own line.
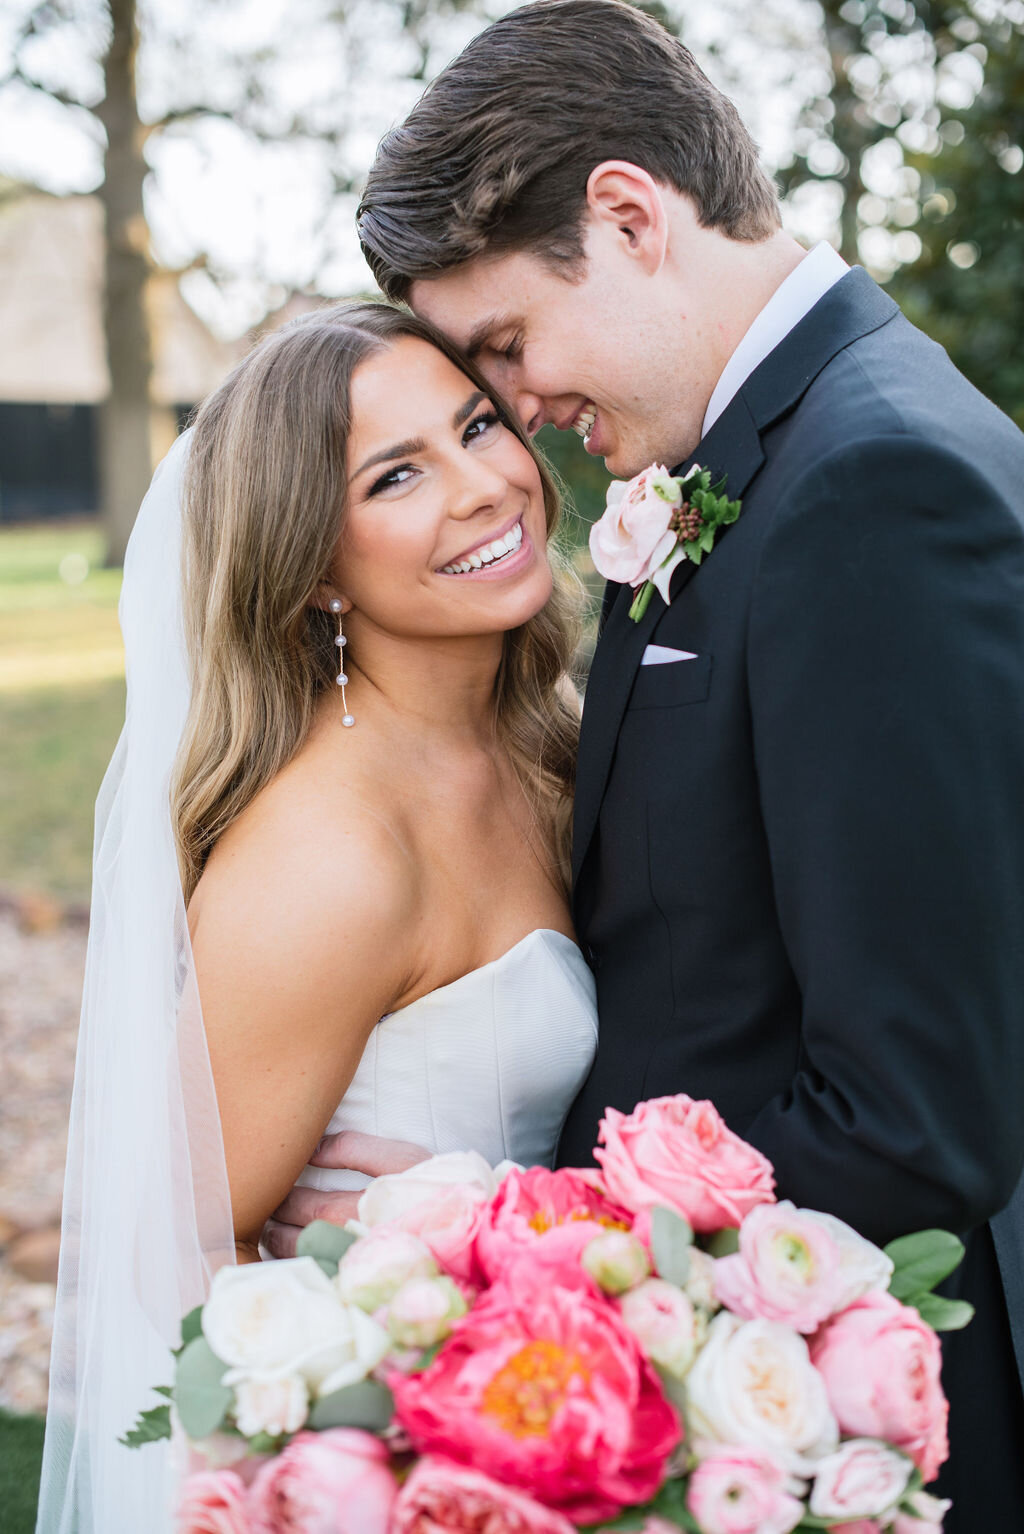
<point x="819" y="270"/>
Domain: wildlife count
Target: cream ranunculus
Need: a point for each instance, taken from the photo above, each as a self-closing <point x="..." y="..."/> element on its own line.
<point x="375" y="1267"/>
<point x="269" y="1320"/>
<point x="754" y="1383"/>
<point x="271" y="1406"/>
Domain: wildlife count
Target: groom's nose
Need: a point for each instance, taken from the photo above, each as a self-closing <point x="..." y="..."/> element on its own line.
<point x="529" y="407"/>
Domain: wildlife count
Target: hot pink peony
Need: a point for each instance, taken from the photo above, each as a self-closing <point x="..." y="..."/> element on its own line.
<point x="677" y="1152"/>
<point x="336" y="1482"/>
<point x="538" y="1205"/>
<point x="544" y="1388"/>
<point x="742" y="1491"/>
<point x="213" y="1502"/>
<point x="881" y="1365"/>
<point x="441" y="1497"/>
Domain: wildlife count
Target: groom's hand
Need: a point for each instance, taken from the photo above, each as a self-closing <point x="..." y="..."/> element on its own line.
<point x="353" y="1151"/>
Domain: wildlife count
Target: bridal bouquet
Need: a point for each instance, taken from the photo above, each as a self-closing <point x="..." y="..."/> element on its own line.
<point x="654" y="1346"/>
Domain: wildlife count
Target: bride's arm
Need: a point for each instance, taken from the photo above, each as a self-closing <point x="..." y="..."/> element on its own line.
<point x="303" y="937"/>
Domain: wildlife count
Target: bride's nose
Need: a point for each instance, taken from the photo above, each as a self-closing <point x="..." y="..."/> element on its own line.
<point x="475" y="486"/>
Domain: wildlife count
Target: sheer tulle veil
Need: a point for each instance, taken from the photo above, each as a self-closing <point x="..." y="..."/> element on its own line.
<point x="146" y="1216"/>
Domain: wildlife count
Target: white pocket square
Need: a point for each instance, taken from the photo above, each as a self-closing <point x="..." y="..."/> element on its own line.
<point x="663" y="655"/>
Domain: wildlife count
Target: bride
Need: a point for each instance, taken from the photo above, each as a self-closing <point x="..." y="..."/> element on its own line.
<point x="339" y="815"/>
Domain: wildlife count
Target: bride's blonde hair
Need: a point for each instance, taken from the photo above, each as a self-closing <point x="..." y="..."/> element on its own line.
<point x="264" y="503"/>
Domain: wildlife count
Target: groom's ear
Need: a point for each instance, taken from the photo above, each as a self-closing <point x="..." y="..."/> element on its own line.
<point x="627" y="200"/>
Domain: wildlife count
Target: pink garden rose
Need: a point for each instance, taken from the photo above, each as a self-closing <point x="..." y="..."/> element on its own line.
<point x="681" y="1153"/>
<point x="881" y="1365"/>
<point x="542" y="1387"/>
<point x="631" y="539"/>
<point x="442" y="1201"/>
<point x="797" y="1266"/>
<point x="663" y="1320"/>
<point x="862" y="1479"/>
<point x="442" y="1497"/>
<point x="538" y="1205"/>
<point x="742" y="1491"/>
<point x="213" y="1502"/>
<point x="336" y="1482"/>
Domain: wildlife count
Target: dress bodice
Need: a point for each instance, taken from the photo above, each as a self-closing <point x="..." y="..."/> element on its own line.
<point x="489" y="1063"/>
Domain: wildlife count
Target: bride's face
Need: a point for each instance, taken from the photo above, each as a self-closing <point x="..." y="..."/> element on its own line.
<point x="444" y="532"/>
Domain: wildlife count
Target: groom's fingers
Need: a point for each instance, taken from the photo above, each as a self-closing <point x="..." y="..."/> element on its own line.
<point x="371" y="1154"/>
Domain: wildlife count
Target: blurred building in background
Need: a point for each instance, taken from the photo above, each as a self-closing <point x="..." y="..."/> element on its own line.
<point x="53" y="372"/>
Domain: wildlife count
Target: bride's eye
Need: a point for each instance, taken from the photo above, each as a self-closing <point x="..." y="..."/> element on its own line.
<point x="393" y="477"/>
<point x="481" y="426"/>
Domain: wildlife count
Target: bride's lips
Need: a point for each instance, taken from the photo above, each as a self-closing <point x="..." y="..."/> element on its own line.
<point x="499" y="566"/>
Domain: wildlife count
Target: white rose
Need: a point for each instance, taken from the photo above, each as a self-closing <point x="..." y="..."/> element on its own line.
<point x="271" y="1406"/>
<point x="754" y="1383"/>
<point x="374" y="1268"/>
<point x="423" y="1310"/>
<point x="266" y="1320"/>
<point x="664" y="1322"/>
<point x="862" y="1479"/>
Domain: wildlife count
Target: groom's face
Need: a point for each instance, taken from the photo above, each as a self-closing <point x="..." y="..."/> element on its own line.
<point x="588" y="353"/>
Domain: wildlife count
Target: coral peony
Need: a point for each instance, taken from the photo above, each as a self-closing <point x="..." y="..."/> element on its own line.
<point x="743" y="1491"/>
<point x="881" y="1364"/>
<point x="213" y="1502"/>
<point x="544" y="1388"/>
<point x="336" y="1482"/>
<point x="441" y="1497"/>
<point x="681" y="1153"/>
<point x="533" y="1206"/>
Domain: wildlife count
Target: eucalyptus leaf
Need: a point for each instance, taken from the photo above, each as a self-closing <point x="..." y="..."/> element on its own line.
<point x="922" y="1260"/>
<point x="941" y="1314"/>
<point x="368" y="1405"/>
<point x="152" y="1425"/>
<point x="671" y="1239"/>
<point x="200" y="1396"/>
<point x="670" y="1504"/>
<point x="325" y="1242"/>
<point x="724" y="1242"/>
<point x="192" y="1326"/>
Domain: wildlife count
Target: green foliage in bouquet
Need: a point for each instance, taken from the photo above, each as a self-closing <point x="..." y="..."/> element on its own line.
<point x="919" y="1263"/>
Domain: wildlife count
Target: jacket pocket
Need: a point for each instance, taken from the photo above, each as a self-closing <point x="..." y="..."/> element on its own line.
<point x="672" y="684"/>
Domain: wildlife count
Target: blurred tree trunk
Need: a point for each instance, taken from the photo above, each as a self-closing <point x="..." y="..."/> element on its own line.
<point x="852" y="128"/>
<point x="125" y="418"/>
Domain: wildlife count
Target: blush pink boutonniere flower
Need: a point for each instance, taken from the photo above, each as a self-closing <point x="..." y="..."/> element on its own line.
<point x="654" y="522"/>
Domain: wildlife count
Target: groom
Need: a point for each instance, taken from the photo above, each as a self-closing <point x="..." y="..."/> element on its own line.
<point x="799" y="836"/>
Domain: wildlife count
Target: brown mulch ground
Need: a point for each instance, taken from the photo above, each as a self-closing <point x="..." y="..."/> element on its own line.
<point x="42" y="959"/>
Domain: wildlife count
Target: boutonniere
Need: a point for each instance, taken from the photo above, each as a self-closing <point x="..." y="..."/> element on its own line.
<point x="653" y="523"/>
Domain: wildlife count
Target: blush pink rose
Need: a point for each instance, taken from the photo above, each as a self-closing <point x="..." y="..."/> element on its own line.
<point x="862" y="1479"/>
<point x="442" y="1497"/>
<point x="542" y="1387"/>
<point x="442" y="1201"/>
<point x="538" y="1205"/>
<point x="213" y="1502"/>
<point x="742" y="1491"/>
<point x="632" y="537"/>
<point x="336" y="1482"/>
<point x="681" y="1153"/>
<point x="881" y="1365"/>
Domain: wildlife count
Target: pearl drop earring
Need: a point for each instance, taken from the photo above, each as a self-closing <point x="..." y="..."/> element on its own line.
<point x="341" y="679"/>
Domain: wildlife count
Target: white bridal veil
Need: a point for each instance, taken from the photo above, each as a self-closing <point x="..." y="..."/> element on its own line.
<point x="146" y="1217"/>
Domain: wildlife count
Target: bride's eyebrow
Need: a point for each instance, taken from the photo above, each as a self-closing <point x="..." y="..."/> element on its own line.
<point x="416" y="444"/>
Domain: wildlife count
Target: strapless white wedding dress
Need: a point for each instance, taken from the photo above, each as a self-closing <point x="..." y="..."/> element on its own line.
<point x="489" y="1063"/>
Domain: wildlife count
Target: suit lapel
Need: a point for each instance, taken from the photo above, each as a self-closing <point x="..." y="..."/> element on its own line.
<point x="855" y="306"/>
<point x="732" y="448"/>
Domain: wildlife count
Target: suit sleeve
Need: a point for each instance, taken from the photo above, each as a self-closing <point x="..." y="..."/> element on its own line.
<point x="886" y="663"/>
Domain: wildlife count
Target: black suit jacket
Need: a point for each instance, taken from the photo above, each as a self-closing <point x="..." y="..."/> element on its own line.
<point x="799" y="858"/>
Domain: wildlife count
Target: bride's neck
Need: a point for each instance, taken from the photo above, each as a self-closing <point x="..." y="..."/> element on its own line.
<point x="442" y="687"/>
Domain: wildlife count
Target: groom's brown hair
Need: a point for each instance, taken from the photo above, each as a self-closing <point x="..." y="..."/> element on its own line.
<point x="496" y="154"/>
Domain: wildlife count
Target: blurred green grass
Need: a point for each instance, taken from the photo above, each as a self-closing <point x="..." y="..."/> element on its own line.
<point x="21" y="1456"/>
<point x="61" y="702"/>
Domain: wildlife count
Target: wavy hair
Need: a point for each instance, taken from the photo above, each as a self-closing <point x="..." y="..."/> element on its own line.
<point x="264" y="502"/>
